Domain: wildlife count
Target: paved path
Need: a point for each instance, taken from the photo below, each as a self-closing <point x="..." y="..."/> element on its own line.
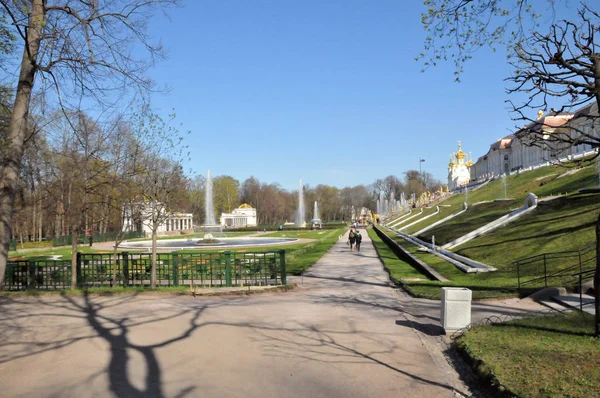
<point x="343" y="332"/>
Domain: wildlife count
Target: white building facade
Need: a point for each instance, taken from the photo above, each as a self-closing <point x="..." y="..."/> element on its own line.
<point x="534" y="146"/>
<point x="243" y="216"/>
<point x="139" y="216"/>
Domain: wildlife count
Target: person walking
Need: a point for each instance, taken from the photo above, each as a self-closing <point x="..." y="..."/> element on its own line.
<point x="352" y="239"/>
<point x="358" y="238"/>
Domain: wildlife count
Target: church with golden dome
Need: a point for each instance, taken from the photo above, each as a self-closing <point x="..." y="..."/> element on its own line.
<point x="458" y="169"/>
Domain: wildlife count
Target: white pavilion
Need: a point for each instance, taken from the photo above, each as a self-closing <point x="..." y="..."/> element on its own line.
<point x="243" y="216"/>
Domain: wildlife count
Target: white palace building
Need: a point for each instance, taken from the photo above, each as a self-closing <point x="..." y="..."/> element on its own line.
<point x="514" y="153"/>
<point x="137" y="217"/>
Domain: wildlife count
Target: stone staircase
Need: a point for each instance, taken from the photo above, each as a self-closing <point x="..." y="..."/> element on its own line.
<point x="569" y="302"/>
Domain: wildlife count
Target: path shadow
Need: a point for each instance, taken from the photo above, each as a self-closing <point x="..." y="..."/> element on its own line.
<point x="114" y="330"/>
<point x="425" y="328"/>
<point x="351" y="280"/>
<point x="316" y="344"/>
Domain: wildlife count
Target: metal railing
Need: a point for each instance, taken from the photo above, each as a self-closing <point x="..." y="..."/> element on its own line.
<point x="202" y="269"/>
<point x="558" y="269"/>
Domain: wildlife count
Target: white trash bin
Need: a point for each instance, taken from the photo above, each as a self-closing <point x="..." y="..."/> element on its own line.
<point x="456" y="308"/>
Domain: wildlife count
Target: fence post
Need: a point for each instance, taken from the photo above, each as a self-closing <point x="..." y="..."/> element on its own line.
<point x="125" y="269"/>
<point x="282" y="265"/>
<point x="175" y="265"/>
<point x="78" y="270"/>
<point x="227" y="268"/>
<point x="31" y="268"/>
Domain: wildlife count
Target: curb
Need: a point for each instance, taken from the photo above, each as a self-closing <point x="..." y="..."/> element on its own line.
<point x="158" y="292"/>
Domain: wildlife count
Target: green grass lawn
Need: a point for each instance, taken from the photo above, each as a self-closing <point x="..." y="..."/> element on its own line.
<point x="308" y="234"/>
<point x="546" y="356"/>
<point x="397" y="268"/>
<point x="43" y="254"/>
<point x="304" y="258"/>
<point x="299" y="256"/>
<point x="426" y="212"/>
<point x="484" y="285"/>
<point x="445" y="211"/>
<point x="542" y="182"/>
<point x="563" y="224"/>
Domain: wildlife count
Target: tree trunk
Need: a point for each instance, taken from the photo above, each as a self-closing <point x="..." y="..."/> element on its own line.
<point x="153" y="275"/>
<point x="33" y="216"/>
<point x="596" y="60"/>
<point x="118" y="240"/>
<point x="597" y="280"/>
<point x="41" y="220"/>
<point x="74" y="243"/>
<point x="115" y="253"/>
<point x="9" y="175"/>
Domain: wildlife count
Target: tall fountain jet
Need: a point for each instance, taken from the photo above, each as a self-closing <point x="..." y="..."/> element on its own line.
<point x="301" y="214"/>
<point x="316" y="221"/>
<point x="210" y="211"/>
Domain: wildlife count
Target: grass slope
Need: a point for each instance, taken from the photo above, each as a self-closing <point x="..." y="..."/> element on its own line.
<point x="445" y="211"/>
<point x="475" y="217"/>
<point x="426" y="212"/>
<point x="544" y="182"/>
<point x="547" y="356"/>
<point x="562" y="224"/>
<point x="485" y="285"/>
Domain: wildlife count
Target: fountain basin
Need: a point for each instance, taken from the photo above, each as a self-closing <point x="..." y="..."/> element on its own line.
<point x="198" y="244"/>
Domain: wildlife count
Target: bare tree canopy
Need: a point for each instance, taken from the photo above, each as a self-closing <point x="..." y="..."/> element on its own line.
<point x="560" y="70"/>
<point x="84" y="51"/>
<point x="458" y="28"/>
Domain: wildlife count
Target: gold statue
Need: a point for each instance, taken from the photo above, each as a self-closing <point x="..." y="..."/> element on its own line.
<point x="540" y="114"/>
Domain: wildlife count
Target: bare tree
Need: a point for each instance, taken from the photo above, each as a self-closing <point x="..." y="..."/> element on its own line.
<point x="456" y="29"/>
<point x="159" y="181"/>
<point x="560" y="67"/>
<point x="74" y="47"/>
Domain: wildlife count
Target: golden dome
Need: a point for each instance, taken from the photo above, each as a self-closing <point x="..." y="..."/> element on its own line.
<point x="470" y="162"/>
<point x="245" y="206"/>
<point x="460" y="155"/>
<point x="452" y="161"/>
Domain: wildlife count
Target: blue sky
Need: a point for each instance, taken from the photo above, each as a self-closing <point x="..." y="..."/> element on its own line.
<point x="323" y="91"/>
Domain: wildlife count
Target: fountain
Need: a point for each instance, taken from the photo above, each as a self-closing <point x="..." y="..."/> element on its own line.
<point x="504" y="184"/>
<point x="210" y="211"/>
<point x="316" y="221"/>
<point x="301" y="214"/>
<point x="210" y="226"/>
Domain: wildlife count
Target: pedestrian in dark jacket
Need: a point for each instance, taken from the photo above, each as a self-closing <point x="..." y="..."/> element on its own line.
<point x="358" y="238"/>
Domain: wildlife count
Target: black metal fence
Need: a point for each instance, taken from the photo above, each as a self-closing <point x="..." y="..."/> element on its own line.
<point x="223" y="269"/>
<point x="569" y="269"/>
